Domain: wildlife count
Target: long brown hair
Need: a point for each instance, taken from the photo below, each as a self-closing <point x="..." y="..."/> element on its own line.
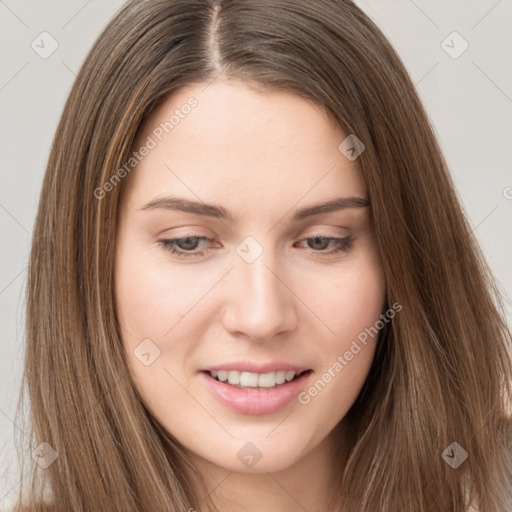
<point x="442" y="371"/>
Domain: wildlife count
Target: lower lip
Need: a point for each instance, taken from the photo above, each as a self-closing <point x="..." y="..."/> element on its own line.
<point x="255" y="401"/>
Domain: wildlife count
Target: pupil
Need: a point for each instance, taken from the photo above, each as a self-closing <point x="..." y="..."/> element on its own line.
<point x="186" y="242"/>
<point x="319" y="240"/>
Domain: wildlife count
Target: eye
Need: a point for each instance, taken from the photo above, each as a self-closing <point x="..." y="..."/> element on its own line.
<point x="182" y="247"/>
<point x="320" y="242"/>
<point x="186" y="247"/>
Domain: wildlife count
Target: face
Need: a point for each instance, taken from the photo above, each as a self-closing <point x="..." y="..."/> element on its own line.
<point x="240" y="300"/>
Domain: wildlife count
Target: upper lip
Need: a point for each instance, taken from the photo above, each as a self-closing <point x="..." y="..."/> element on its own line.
<point x="253" y="367"/>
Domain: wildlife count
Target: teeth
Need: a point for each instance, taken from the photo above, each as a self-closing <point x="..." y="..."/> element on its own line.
<point x="267" y="380"/>
<point x="254" y="380"/>
<point x="280" y="377"/>
<point x="289" y="376"/>
<point x="234" y="377"/>
<point x="249" y="379"/>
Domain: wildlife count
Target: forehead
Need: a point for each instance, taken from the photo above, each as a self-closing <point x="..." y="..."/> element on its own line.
<point x="242" y="146"/>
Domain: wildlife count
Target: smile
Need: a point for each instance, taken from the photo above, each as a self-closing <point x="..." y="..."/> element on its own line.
<point x="250" y="380"/>
<point x="255" y="393"/>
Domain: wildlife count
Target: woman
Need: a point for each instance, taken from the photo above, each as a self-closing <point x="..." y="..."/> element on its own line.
<point x="250" y="272"/>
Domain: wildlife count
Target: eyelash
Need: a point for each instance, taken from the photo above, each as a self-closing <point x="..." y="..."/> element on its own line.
<point x="343" y="245"/>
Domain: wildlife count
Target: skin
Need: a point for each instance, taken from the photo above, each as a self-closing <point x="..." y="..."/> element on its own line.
<point x="262" y="155"/>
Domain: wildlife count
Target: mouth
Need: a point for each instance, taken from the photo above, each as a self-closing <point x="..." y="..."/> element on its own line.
<point x="255" y="393"/>
<point x="252" y="380"/>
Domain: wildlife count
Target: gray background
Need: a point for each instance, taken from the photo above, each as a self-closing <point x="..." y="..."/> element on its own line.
<point x="468" y="99"/>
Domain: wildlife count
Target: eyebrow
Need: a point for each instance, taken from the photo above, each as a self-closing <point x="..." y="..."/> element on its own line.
<point x="210" y="210"/>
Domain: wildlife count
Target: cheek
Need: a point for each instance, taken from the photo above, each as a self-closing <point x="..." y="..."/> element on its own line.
<point x="346" y="356"/>
<point x="351" y="299"/>
<point x="353" y="314"/>
<point x="151" y="297"/>
<point x="361" y="301"/>
<point x="150" y="300"/>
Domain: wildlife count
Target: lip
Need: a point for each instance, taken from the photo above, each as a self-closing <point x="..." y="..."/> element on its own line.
<point x="255" y="401"/>
<point x="248" y="366"/>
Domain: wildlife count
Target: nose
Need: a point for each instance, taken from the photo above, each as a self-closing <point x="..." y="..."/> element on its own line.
<point x="261" y="304"/>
